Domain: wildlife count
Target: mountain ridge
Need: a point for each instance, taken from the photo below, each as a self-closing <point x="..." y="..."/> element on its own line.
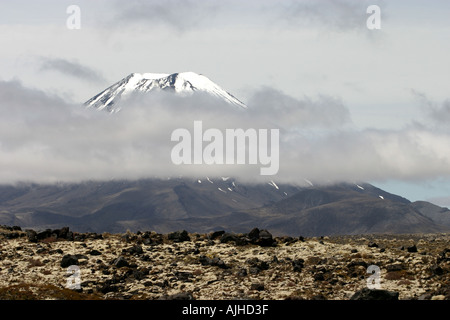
<point x="182" y="83"/>
<point x="205" y="205"/>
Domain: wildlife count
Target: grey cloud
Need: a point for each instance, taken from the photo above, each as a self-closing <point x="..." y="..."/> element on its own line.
<point x="441" y="113"/>
<point x="181" y="15"/>
<point x="286" y="111"/>
<point x="71" y="68"/>
<point x="335" y="15"/>
<point x="437" y="112"/>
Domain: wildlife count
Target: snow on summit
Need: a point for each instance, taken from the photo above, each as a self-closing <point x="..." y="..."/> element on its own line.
<point x="179" y="83"/>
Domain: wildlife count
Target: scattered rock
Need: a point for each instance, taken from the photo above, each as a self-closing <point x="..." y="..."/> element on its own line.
<point x="412" y="248"/>
<point x="395" y="267"/>
<point x="94" y="252"/>
<point x="425" y="296"/>
<point x="179" y="236"/>
<point x="184" y="276"/>
<point x="298" y="265"/>
<point x="374" y="294"/>
<point x="11" y="235"/>
<point x="31" y="235"/>
<point x="254" y="234"/>
<point x="256" y="265"/>
<point x="69" y="260"/>
<point x="120" y="262"/>
<point x="216" y="234"/>
<point x="40" y="249"/>
<point x="108" y="286"/>
<point x="147" y="241"/>
<point x="372" y="245"/>
<point x="257" y="286"/>
<point x="319" y="276"/>
<point x="444" y="256"/>
<point x="56" y="234"/>
<point x="227" y="237"/>
<point x="206" y="261"/>
<point x="134" y="250"/>
<point x="178" y="296"/>
<point x="436" y="270"/>
<point x="265" y="239"/>
<point x="357" y="263"/>
<point x="242" y="272"/>
<point x="140" y="272"/>
<point x="262" y="238"/>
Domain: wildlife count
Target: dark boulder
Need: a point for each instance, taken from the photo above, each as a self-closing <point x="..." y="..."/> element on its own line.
<point x="319" y="276"/>
<point x="395" y="267"/>
<point x="44" y="234"/>
<point x="69" y="260"/>
<point x="254" y="235"/>
<point x="216" y="234"/>
<point x="178" y="296"/>
<point x="11" y="235"/>
<point x="61" y="233"/>
<point x="31" y="235"/>
<point x="183" y="275"/>
<point x="108" y="286"/>
<point x="444" y="256"/>
<point x="257" y="286"/>
<point x="298" y="265"/>
<point x="242" y="272"/>
<point x="265" y="239"/>
<point x="227" y="237"/>
<point x="374" y="294"/>
<point x="94" y="252"/>
<point x="137" y="249"/>
<point x="120" y="262"/>
<point x="179" y="236"/>
<point x="262" y="238"/>
<point x="256" y="265"/>
<point x="206" y="261"/>
<point x="436" y="270"/>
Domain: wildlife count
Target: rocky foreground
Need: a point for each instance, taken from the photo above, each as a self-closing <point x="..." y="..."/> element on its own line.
<point x="61" y="264"/>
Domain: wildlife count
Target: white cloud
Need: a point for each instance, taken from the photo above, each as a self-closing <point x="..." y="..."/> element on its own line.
<point x="44" y="139"/>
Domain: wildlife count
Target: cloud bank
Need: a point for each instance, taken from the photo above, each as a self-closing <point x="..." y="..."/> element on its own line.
<point x="45" y="139"/>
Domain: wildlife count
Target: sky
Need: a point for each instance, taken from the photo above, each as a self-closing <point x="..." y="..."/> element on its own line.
<point x="353" y="103"/>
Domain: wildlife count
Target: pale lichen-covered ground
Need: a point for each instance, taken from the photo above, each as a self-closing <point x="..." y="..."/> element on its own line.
<point x="154" y="267"/>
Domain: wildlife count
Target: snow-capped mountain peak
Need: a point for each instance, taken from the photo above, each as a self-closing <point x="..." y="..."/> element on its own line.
<point x="185" y="83"/>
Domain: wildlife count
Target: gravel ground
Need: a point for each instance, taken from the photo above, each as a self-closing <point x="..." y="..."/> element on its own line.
<point x="148" y="265"/>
